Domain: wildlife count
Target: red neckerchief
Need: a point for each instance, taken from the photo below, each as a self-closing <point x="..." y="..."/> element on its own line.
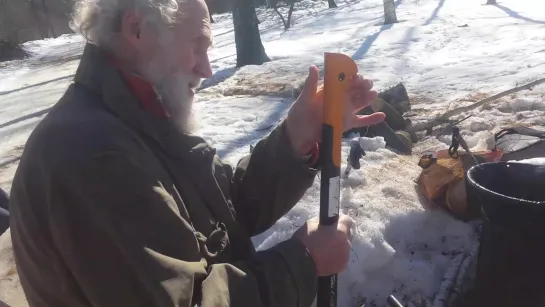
<point x="142" y="89"/>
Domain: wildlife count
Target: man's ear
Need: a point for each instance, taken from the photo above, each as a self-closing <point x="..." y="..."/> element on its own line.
<point x="131" y="27"/>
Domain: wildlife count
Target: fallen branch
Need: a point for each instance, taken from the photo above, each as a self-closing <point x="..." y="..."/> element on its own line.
<point x="445" y="117"/>
<point x="452" y="124"/>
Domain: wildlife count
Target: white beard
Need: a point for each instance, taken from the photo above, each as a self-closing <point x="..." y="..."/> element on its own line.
<point x="174" y="90"/>
<point x="176" y="97"/>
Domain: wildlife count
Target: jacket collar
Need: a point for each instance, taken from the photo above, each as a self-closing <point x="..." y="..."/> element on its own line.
<point x="141" y="89"/>
<point x="98" y="74"/>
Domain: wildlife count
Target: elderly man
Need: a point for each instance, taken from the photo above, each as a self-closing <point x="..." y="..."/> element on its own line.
<point x="116" y="203"/>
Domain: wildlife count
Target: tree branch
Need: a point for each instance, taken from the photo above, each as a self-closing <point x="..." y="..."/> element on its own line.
<point x="290" y="12"/>
<point x="445" y="117"/>
<point x="281" y="17"/>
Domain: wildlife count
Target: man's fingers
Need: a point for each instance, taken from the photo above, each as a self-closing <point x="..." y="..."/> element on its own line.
<point x="367" y="120"/>
<point x="366" y="84"/>
<point x="311" y="84"/>
<point x="361" y="99"/>
<point x="313" y="72"/>
<point x="355" y="82"/>
<point x="358" y="82"/>
<point x="345" y="222"/>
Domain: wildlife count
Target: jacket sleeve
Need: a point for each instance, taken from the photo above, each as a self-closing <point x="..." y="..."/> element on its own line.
<point x="270" y="181"/>
<point x="122" y="240"/>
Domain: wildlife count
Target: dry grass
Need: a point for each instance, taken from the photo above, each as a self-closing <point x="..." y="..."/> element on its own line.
<point x="474" y="97"/>
<point x="253" y="89"/>
<point x="11" y="271"/>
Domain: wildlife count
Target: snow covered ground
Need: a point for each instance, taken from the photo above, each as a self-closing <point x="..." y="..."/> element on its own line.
<point x="449" y="53"/>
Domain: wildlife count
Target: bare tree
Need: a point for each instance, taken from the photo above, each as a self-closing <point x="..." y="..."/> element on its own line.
<point x="278" y="4"/>
<point x="49" y="18"/>
<point x="389" y="12"/>
<point x="331" y="4"/>
<point x="35" y="12"/>
<point x="250" y="50"/>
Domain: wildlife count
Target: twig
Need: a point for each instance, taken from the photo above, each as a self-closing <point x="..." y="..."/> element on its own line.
<point x="454" y="123"/>
<point x="444" y="118"/>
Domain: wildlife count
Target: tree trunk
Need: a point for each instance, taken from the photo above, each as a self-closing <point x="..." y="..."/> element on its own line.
<point x="389" y="12"/>
<point x="290" y="12"/>
<point x="48" y="19"/>
<point x="42" y="27"/>
<point x="255" y="17"/>
<point x="493" y="2"/>
<point x="332" y="4"/>
<point x="285" y="22"/>
<point x="250" y="50"/>
<point x="286" y="26"/>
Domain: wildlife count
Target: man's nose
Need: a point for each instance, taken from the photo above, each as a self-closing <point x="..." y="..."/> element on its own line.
<point x="203" y="68"/>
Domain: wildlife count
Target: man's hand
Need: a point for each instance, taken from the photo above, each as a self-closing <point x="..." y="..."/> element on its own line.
<point x="329" y="245"/>
<point x="304" y="122"/>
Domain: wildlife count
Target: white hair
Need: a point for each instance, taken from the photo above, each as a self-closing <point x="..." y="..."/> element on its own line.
<point x="99" y="21"/>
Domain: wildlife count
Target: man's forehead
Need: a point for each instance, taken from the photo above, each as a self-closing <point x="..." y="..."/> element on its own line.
<point x="196" y="9"/>
<point x="195" y="17"/>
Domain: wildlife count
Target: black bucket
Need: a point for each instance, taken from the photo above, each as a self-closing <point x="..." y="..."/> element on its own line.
<point x="511" y="262"/>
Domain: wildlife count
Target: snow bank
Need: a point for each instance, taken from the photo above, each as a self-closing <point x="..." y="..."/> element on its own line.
<point x="46" y="46"/>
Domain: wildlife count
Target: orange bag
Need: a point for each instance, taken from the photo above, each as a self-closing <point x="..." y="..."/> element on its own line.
<point x="442" y="179"/>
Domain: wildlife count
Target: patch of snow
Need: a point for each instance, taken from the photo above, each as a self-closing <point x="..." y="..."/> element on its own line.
<point x="477" y="124"/>
<point x="11" y="77"/>
<point x="482" y="140"/>
<point x="232" y="133"/>
<point x="398" y="247"/>
<point x="42" y="47"/>
<point x="525" y="104"/>
<point x="372" y="144"/>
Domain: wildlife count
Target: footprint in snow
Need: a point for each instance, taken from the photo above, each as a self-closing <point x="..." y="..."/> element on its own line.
<point x="392" y="192"/>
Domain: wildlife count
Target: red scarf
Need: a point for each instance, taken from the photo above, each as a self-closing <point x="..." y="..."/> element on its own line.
<point x="142" y="89"/>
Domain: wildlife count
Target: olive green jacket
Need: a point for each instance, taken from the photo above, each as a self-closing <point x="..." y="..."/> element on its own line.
<point x="111" y="207"/>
